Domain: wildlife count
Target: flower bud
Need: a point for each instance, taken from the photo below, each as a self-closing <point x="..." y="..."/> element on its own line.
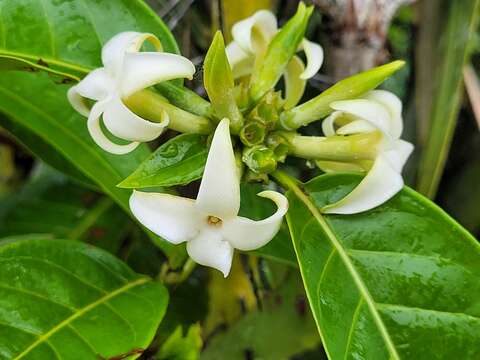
<point x="259" y="159"/>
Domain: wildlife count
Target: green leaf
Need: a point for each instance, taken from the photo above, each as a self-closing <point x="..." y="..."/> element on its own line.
<point x="51" y="204"/>
<point x="179" y="347"/>
<point x="349" y="88"/>
<point x="179" y="161"/>
<point x="68" y="300"/>
<point x="444" y="45"/>
<point x="396" y="282"/>
<point x="218" y="81"/>
<point x="280" y="51"/>
<point x="257" y="208"/>
<point x="50" y="117"/>
<point x="66" y="37"/>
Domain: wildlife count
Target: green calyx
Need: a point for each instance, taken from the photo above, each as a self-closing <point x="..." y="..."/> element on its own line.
<point x="259" y="159"/>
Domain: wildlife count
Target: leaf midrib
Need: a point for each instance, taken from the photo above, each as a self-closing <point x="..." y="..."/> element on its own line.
<point x="78" y="314"/>
<point x="364" y="293"/>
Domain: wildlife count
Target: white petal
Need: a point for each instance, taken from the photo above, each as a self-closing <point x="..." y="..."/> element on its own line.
<point x="356" y="127"/>
<point x="125" y="124"/>
<point x="235" y="54"/>
<point x="398" y="155"/>
<point x="144" y="69"/>
<point x="174" y="218"/>
<point x="263" y="22"/>
<point x="367" y="110"/>
<point x="394" y="106"/>
<point x="219" y="192"/>
<point x="246" y="234"/>
<point x="99" y="137"/>
<point x="129" y="41"/>
<point x="314" y="55"/>
<point x="294" y="84"/>
<point x="381" y="183"/>
<point x="328" y="125"/>
<point x="97" y="85"/>
<point x="209" y="249"/>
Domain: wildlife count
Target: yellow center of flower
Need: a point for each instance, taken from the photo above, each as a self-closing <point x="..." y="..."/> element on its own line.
<point x="214" y="221"/>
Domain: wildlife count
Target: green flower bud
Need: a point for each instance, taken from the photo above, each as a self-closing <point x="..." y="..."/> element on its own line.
<point x="259" y="159"/>
<point x="253" y="133"/>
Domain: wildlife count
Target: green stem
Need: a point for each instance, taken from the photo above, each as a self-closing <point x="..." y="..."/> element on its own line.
<point x="150" y="105"/>
<point x="185" y="99"/>
<point x="335" y="148"/>
<point x="349" y="88"/>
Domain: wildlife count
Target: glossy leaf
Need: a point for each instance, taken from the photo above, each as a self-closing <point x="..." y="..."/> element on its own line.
<point x="449" y="25"/>
<point x="54" y="292"/>
<point x="66" y="37"/>
<point x="349" y="88"/>
<point x="179" y="161"/>
<point x="397" y="282"/>
<point x="51" y="118"/>
<point x="51" y="204"/>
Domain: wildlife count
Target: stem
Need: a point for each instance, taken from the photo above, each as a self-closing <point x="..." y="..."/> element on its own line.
<point x="335" y="148"/>
<point x="185" y="99"/>
<point x="150" y="105"/>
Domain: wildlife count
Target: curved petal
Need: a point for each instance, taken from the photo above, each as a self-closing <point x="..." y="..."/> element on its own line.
<point x="235" y="54"/>
<point x="356" y="127"/>
<point x="367" y="110"/>
<point x="393" y="105"/>
<point x="97" y="85"/>
<point x="174" y="218"/>
<point x="129" y="41"/>
<point x="144" y="69"/>
<point x="219" y="192"/>
<point x="294" y="84"/>
<point x="328" y="125"/>
<point x="398" y="155"/>
<point x="209" y="249"/>
<point x="125" y="124"/>
<point x="246" y="234"/>
<point x="381" y="183"/>
<point x="314" y="55"/>
<point x="99" y="137"/>
<point x="263" y="22"/>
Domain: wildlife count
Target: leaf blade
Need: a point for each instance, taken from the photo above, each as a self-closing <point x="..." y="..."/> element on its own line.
<point x="362" y="271"/>
<point x="104" y="292"/>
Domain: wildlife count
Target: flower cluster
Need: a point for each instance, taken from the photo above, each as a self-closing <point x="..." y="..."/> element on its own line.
<point x="361" y="128"/>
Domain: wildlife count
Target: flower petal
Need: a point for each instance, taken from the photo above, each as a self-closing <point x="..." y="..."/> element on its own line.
<point x="144" y="69"/>
<point x="381" y="183"/>
<point x="367" y="110"/>
<point x="356" y="127"/>
<point x="219" y="192"/>
<point x="97" y="85"/>
<point x="246" y="234"/>
<point x="174" y="218"/>
<point x="393" y="105"/>
<point x="99" y="137"/>
<point x="294" y="84"/>
<point x="314" y="55"/>
<point x="236" y="55"/>
<point x="263" y="23"/>
<point x="398" y="155"/>
<point x="114" y="50"/>
<point x="125" y="124"/>
<point x="209" y="249"/>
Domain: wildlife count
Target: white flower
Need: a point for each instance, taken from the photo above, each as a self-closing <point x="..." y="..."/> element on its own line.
<point x="210" y="224"/>
<point x="380" y="111"/>
<point x="251" y="37"/>
<point x="126" y="70"/>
